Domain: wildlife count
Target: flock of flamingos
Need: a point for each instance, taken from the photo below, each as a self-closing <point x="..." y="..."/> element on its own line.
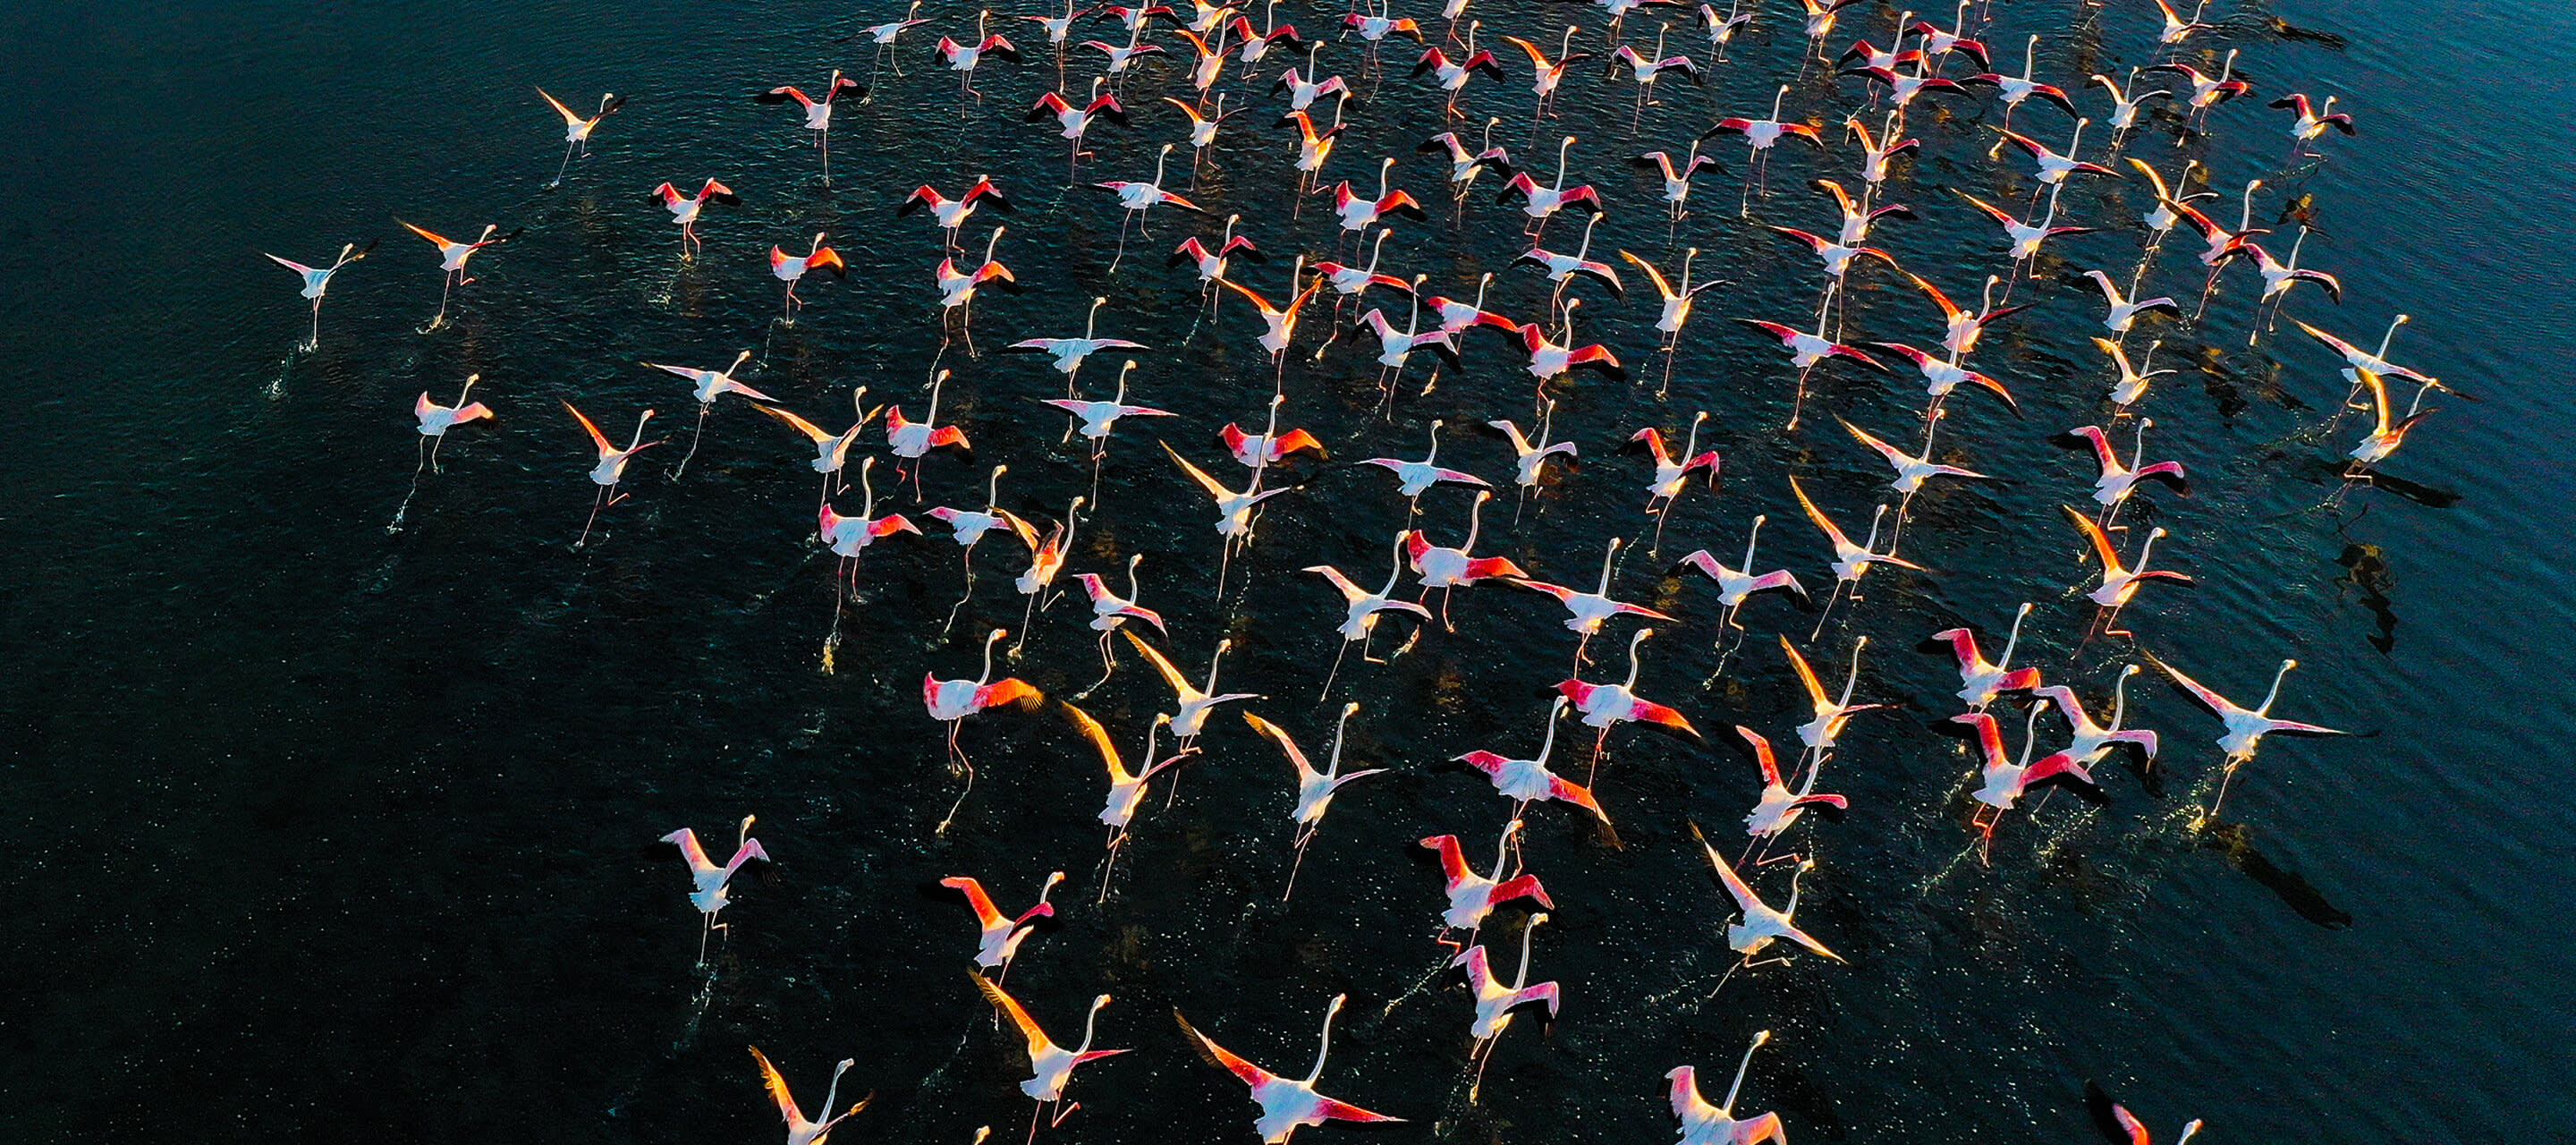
<point x="1214" y="68"/>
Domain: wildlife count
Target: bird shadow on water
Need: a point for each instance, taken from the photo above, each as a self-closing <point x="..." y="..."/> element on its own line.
<point x="2236" y="842"/>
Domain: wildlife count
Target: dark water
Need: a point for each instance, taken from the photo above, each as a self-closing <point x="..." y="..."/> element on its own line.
<point x="331" y="831"/>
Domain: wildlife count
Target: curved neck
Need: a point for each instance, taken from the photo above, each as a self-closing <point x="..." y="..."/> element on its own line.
<point x="1088" y="1024"/>
<point x="1548" y="744"/>
<point x="1561" y="149"/>
<point x="1728" y="1109"/>
<point x="989" y="641"/>
<point x="2015" y="638"/>
<point x="1607" y="557"/>
<point x="1635" y="663"/>
<point x="1213" y="661"/>
<point x="1333" y="767"/>
<point x="1475" y="523"/>
<point x="1325" y="1048"/>
<point x="1531" y="928"/>
<point x="2275" y="693"/>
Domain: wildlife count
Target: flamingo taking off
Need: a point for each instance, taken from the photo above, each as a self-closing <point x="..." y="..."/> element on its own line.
<point x="1286" y="1105"/>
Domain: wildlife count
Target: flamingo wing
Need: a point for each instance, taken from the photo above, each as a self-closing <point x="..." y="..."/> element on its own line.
<point x="1250" y="1074"/>
<point x="1037" y="1039"/>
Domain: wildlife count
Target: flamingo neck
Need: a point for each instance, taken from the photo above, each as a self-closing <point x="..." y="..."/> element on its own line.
<point x="1606" y="558"/>
<point x="1636" y="664"/>
<point x="1213" y="661"/>
<point x="1088" y="1024"/>
<point x="1475" y="522"/>
<point x="1561" y="149"/>
<point x="1728" y="1109"/>
<point x="1547" y="745"/>
<point x="1870" y="546"/>
<point x="1333" y="767"/>
<point x="2015" y="638"/>
<point x="1750" y="540"/>
<point x="2275" y="693"/>
<point x="1325" y="1049"/>
<point x="989" y="642"/>
<point x="1502" y="850"/>
<point x="2120" y="698"/>
<point x="1522" y="978"/>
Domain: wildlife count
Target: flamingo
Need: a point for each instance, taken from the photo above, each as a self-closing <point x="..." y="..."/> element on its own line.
<point x="1677" y="180"/>
<point x="1211" y="265"/>
<point x="2279" y="277"/>
<point x="818" y="112"/>
<point x="1280" y="323"/>
<point x="968" y="526"/>
<point x="1069" y="353"/>
<point x="1207" y="63"/>
<point x="707" y="386"/>
<point x="1735" y="586"/>
<point x="952" y="213"/>
<point x="1360" y="214"/>
<point x="2119" y="479"/>
<point x="1836" y="255"/>
<point x="1302" y="92"/>
<point x="1540" y="202"/>
<point x="1860" y="216"/>
<point x="1670" y="474"/>
<point x="1877" y="150"/>
<point x="950" y="702"/>
<point x="1547" y="73"/>
<point x="1193" y="702"/>
<point x="1456" y="317"/>
<point x="435" y="420"/>
<point x="2119" y="582"/>
<point x="847" y="537"/>
<point x="1354" y="281"/>
<point x="800" y="1130"/>
<point x="788" y="268"/>
<point x="1452" y="75"/>
<point x="1109" y="611"/>
<point x="998" y="936"/>
<point x="2312" y="121"/>
<point x="1527" y="781"/>
<point x="1450" y="569"/>
<point x="2054" y="167"/>
<point x="1587" y="611"/>
<point x="577" y="127"/>
<point x="1137" y="198"/>
<point x="1937" y="42"/>
<point x="2356" y="360"/>
<point x="957" y="287"/>
<point x="1779" y="807"/>
<point x="1046" y="559"/>
<point x="1646" y="69"/>
<point x="1050" y="1066"/>
<point x="1099" y="418"/>
<point x="1871" y="55"/>
<point x="965" y="58"/>
<point x="2002" y="780"/>
<point x="2025" y="236"/>
<point x="2126" y="1121"/>
<point x="1257" y="44"/>
<point x="1605" y="706"/>
<point x="1395" y="347"/>
<point x="2133" y="379"/>
<point x="884" y="35"/>
<point x="1831" y="712"/>
<point x="1851" y="562"/>
<point x="711" y="893"/>
<point x="1415" y="477"/>
<point x="1361" y="608"/>
<point x="317" y="280"/>
<point x="1943" y="374"/>
<point x="913" y="440"/>
<point x="1722" y="29"/>
<point x="2176" y="29"/>
<point x="1126" y="788"/>
<point x="1561" y="268"/>
<point x="1912" y="469"/>
<point x="611" y="467"/>
<point x="1820" y="19"/>
<point x="1761" y="134"/>
<point x="1314" y="788"/>
<point x="1119" y="56"/>
<point x="1285" y="1104"/>
<point x="2389" y="431"/>
<point x="1805" y="350"/>
<point x="1233" y="509"/>
<point x="451" y="264"/>
<point x="2013" y="90"/>
<point x="1705" y="1124"/>
<point x="1269" y="447"/>
<point x="2125" y="107"/>
<point x="1313" y="147"/>
<point x="1980" y="682"/>
<point x="2245" y="727"/>
<point x="1676" y="302"/>
<point x="2208" y="91"/>
<point x="685" y="210"/>
<point x="1762" y="925"/>
<point x="1203" y="129"/>
<point x="1549" y="360"/>
<point x="1963" y="326"/>
<point x="1495" y="1000"/>
<point x="1473" y="896"/>
<point x="2093" y="740"/>
<point x="1072" y="121"/>
<point x="1902" y="87"/>
<point x="2124" y="311"/>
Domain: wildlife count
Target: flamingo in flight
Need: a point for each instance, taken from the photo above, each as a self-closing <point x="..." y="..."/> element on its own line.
<point x="577" y="127"/>
<point x="998" y="936"/>
<point x="913" y="440"/>
<point x="1539" y="202"/>
<point x="1233" y="509"/>
<point x="788" y="268"/>
<point x="2279" y="277"/>
<point x="800" y="1129"/>
<point x="1805" y="350"/>
<point x="1211" y="265"/>
<point x="1912" y="469"/>
<point x="451" y="264"/>
<point x="1314" y="788"/>
<point x="1877" y="150"/>
<point x="1561" y="268"/>
<point x="1706" y="1124"/>
<point x="1832" y="712"/>
<point x="1050" y="1066"/>
<point x="2312" y="121"/>
<point x="1109" y="611"/>
<point x="1396" y="347"/>
<point x="847" y="537"/>
<point x="1722" y="29"/>
<point x="1193" y="703"/>
<point x="2124" y="106"/>
<point x="957" y="287"/>
<point x="2208" y="91"/>
<point x="1587" y="611"/>
<point x="1448" y="569"/>
<point x="950" y="702"/>
<point x="952" y="213"/>
<point x="1360" y="214"/>
<point x="1762" y="134"/>
<point x="2133" y="379"/>
<point x="1097" y="419"/>
<point x="965" y="58"/>
<point x="1361" y="608"/>
<point x="1981" y="682"/>
<point x="2244" y="727"/>
<point x="1549" y="360"/>
<point x="1452" y="75"/>
<point x="317" y="281"/>
<point x="1416" y="477"/>
<point x="1779" y="807"/>
<point x="1548" y="74"/>
<point x="884" y="36"/>
<point x="1942" y="374"/>
<point x="1279" y="323"/>
<point x="1047" y="555"/>
<point x="711" y="892"/>
<point x="1528" y="781"/>
<point x="1126" y="787"/>
<point x="1496" y="999"/>
<point x="1762" y="925"/>
<point x="1257" y="44"/>
<point x="2120" y="478"/>
<point x="2094" y="740"/>
<point x="434" y="420"/>
<point x="831" y="450"/>
<point x="1961" y="327"/>
<point x="1473" y="896"/>
<point x="1677" y="178"/>
<point x="2124" y="311"/>
<point x="1735" y="586"/>
<point x="1137" y="198"/>
<point x="2025" y="236"/>
<point x="1937" y="42"/>
<point x="1851" y="562"/>
<point x="1646" y="69"/>
<point x="818" y="112"/>
<point x="611" y="467"/>
<point x="2119" y="582"/>
<point x="1676" y="301"/>
<point x="2389" y="431"/>
<point x="968" y="526"/>
<point x="1069" y="353"/>
<point x="1285" y="1104"/>
<point x="2014" y="90"/>
<point x="1605" y="706"/>
<point x="707" y="386"/>
<point x="685" y="210"/>
<point x="2003" y="780"/>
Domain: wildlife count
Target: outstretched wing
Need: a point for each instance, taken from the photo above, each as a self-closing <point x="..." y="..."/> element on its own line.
<point x="1249" y="1073"/>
